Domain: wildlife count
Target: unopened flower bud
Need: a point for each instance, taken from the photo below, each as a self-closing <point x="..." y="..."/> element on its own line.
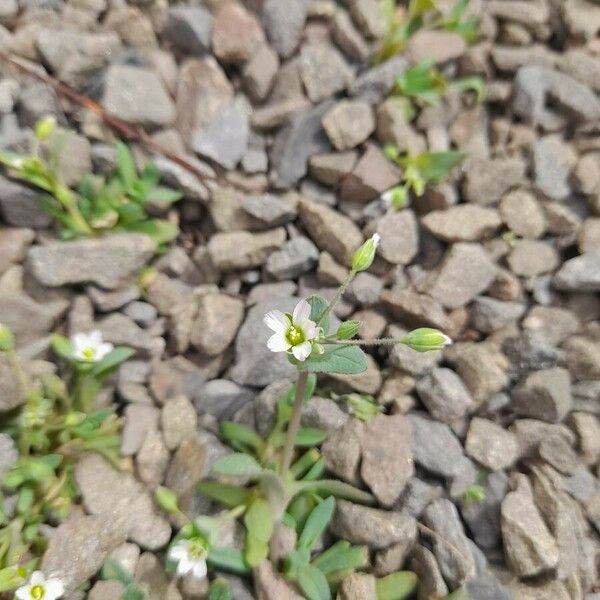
<point x="396" y="197"/>
<point x="166" y="499"/>
<point x="364" y="256"/>
<point x="426" y="339"/>
<point x="347" y="330"/>
<point x="45" y="128"/>
<point x="7" y="339"/>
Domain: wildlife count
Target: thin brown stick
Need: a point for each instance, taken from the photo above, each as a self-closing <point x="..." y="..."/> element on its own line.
<point x="136" y="134"/>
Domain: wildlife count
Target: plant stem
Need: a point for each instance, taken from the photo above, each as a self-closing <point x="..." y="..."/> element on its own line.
<point x="294" y="425"/>
<point x="375" y="342"/>
<point x="340" y="292"/>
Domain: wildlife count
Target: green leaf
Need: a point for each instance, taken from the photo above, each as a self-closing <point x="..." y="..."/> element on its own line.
<point x="397" y="586"/>
<point x="315" y="471"/>
<point x="417" y="8"/>
<point x="164" y="195"/>
<point x="62" y="346"/>
<point x="347" y="330"/>
<point x="345" y="360"/>
<point x="341" y="557"/>
<point x="133" y="592"/>
<point x="125" y="164"/>
<point x="310" y="436"/>
<point x="227" y="559"/>
<point x="159" y="230"/>
<point x="318" y="306"/>
<point x="317" y="522"/>
<point x="434" y="166"/>
<point x="237" y="432"/>
<point x="111" y="569"/>
<point x="471" y="84"/>
<point x="294" y="560"/>
<point x="422" y="81"/>
<point x="273" y="489"/>
<point x="258" y="520"/>
<point x="219" y="590"/>
<point x="227" y="494"/>
<point x="333" y="487"/>
<point x="459" y="594"/>
<point x="237" y="464"/>
<point x="313" y="583"/>
<point x="112" y="360"/>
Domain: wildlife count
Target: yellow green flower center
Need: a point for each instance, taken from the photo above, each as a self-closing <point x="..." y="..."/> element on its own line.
<point x="37" y="592"/>
<point x="88" y="353"/>
<point x="197" y="548"/>
<point x="295" y="335"/>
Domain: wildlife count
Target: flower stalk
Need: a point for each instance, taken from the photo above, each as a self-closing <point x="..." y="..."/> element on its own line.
<point x="294" y="425"/>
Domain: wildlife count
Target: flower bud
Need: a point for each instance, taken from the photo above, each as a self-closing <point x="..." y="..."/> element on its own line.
<point x="347" y="330"/>
<point x="363" y="406"/>
<point x="396" y="197"/>
<point x="426" y="339"/>
<point x="364" y="256"/>
<point x="7" y="339"/>
<point x="166" y="499"/>
<point x="44" y="128"/>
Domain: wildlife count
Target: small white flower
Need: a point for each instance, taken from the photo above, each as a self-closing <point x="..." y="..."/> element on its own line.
<point x="89" y="347"/>
<point x="190" y="556"/>
<point x="40" y="588"/>
<point x="293" y="333"/>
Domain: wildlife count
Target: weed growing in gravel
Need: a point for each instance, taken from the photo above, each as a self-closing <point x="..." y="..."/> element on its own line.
<point x="54" y="426"/>
<point x="278" y="479"/>
<point x="118" y="203"/>
<point x="402" y="24"/>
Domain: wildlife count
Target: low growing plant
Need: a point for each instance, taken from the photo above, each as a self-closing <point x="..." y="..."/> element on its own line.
<point x="117" y="203"/>
<point x="55" y="425"/>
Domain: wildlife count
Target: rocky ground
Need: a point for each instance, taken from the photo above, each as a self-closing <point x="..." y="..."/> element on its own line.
<point x="280" y="98"/>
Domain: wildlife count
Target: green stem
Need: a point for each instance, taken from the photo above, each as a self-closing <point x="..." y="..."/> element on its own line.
<point x="66" y="198"/>
<point x="338" y="295"/>
<point x="294" y="425"/>
<point x="375" y="342"/>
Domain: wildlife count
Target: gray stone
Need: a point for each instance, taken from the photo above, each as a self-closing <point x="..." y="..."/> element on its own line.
<point x="255" y="364"/>
<point x="489" y="314"/>
<point x="219" y="318"/>
<point x="545" y="395"/>
<point x="435" y="447"/>
<point x="13" y="246"/>
<point x="138" y="96"/>
<point x="79" y="546"/>
<point x="534" y="85"/>
<point x="377" y="529"/>
<point x="367" y="16"/>
<point x="106" y="590"/>
<point x="283" y="21"/>
<point x="109" y="262"/>
<point x="329" y="169"/>
<point x="189" y="29"/>
<point x="431" y="581"/>
<point x="342" y="451"/>
<point x="226" y="139"/>
<point x="347" y="37"/>
<point x="297" y="256"/>
<point x="462" y="223"/>
<point x="399" y="233"/>
<point x="450" y="545"/>
<point x="190" y="463"/>
<point x="269" y="584"/>
<point x="579" y="274"/>
<point x="323" y="413"/>
<point x="414" y="309"/>
<point x="76" y="56"/>
<point x="324" y="71"/>
<point x="151" y="577"/>
<point x="20" y="206"/>
<point x="387" y="462"/>
<point x="259" y="72"/>
<point x="358" y="586"/>
<point x="583" y="357"/>
<point x="529" y="258"/>
<point x="487" y="180"/>
<point x="121" y="500"/>
<point x="8" y="454"/>
<point x="375" y="83"/>
<point x="237" y="34"/>
<point x="243" y="250"/>
<point x="331" y="231"/>
<point x="178" y="421"/>
<point x="529" y="547"/>
<point x="438" y="46"/>
<point x="487" y="587"/>
<point x="466" y="272"/>
<point x="491" y="445"/>
<point x="445" y="395"/>
<point x="122" y="331"/>
<point x="349" y="123"/>
<point x="523" y="214"/>
<point x="553" y="160"/>
<point x="270" y="209"/>
<point x="140" y="419"/>
<point x="152" y="460"/>
<point x="294" y="144"/>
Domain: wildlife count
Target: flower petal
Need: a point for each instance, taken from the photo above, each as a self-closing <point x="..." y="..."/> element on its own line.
<point x="302" y="351"/>
<point x="54" y="589"/>
<point x="23" y="593"/>
<point x="37" y="577"/>
<point x="276" y="321"/>
<point x="301" y="312"/>
<point x="95" y="337"/>
<point x="310" y="329"/>
<point x="79" y="341"/>
<point x="103" y="349"/>
<point x="199" y="569"/>
<point x="184" y="566"/>
<point x="278" y="343"/>
<point x="177" y="552"/>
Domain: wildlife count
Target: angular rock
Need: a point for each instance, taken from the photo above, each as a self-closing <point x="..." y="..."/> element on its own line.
<point x="438" y="46"/>
<point x="579" y="274"/>
<point x="219" y="318"/>
<point x="178" y="421"/>
<point x="109" y="262"/>
<point x="445" y="395"/>
<point x="140" y="420"/>
<point x="544" y="395"/>
<point x="324" y="71"/>
<point x="414" y="309"/>
<point x="466" y="272"/>
<point x="375" y="83"/>
<point x="283" y="21"/>
<point x="120" y="330"/>
<point x="342" y="451"/>
<point x="523" y="214"/>
<point x="152" y="460"/>
<point x="269" y="584"/>
<point x="358" y="586"/>
<point x="487" y="180"/>
<point x="243" y="250"/>
<point x="349" y="123"/>
<point x="462" y="223"/>
<point x="387" y="462"/>
<point x="399" y="233"/>
<point x="20" y="206"/>
<point x="331" y="231"/>
<point x="137" y="95"/>
<point x="259" y="72"/>
<point x="329" y="169"/>
<point x="13" y="246"/>
<point x="553" y="160"/>
<point x="491" y="445"/>
<point x="529" y="258"/>
<point x="189" y="29"/>
<point x="120" y="500"/>
<point x="347" y="37"/>
<point x="270" y="209"/>
<point x="431" y="581"/>
<point x="236" y="34"/>
<point x="489" y="314"/>
<point x="376" y="528"/>
<point x="297" y="256"/>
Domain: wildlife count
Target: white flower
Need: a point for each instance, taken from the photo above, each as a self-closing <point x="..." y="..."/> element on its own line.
<point x="190" y="556"/>
<point x="293" y="333"/>
<point x="89" y="347"/>
<point x="40" y="588"/>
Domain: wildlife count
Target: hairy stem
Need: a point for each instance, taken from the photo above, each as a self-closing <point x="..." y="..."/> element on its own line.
<point x="340" y="292"/>
<point x="294" y="425"/>
<point x="376" y="342"/>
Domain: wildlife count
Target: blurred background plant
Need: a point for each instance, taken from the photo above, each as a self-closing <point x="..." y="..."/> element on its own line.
<point x="57" y="422"/>
<point x="121" y="202"/>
